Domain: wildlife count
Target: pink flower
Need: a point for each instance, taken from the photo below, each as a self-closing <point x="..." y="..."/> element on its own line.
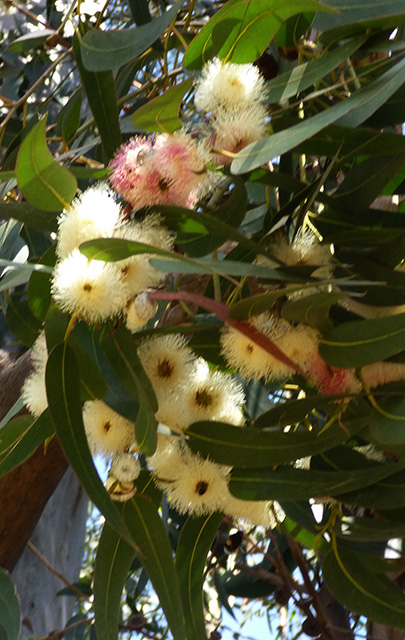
<point x="172" y="170"/>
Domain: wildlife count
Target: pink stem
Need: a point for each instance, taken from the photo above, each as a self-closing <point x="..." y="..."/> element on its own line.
<point x="220" y="310"/>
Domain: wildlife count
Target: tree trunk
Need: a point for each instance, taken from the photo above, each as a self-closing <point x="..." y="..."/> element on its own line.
<point x="59" y="536"/>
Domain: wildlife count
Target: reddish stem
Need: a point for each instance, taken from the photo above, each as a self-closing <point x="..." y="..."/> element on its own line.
<point x="220" y="310"/>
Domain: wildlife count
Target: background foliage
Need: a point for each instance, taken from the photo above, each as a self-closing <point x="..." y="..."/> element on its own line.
<point x="335" y="162"/>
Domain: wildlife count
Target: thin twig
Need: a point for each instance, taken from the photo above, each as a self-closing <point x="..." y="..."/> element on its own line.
<point x="52" y="569"/>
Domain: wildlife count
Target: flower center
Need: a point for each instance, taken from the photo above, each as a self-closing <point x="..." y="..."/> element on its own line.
<point x="87" y="287"/>
<point x="165" y="369"/>
<point x="201" y="487"/>
<point x="203" y="398"/>
<point x="107" y="426"/>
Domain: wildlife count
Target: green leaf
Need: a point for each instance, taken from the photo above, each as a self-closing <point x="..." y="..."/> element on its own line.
<point x="162" y="113"/>
<point x="63" y="390"/>
<point x="312" y="310"/>
<point x="359" y="17"/>
<point x="39" y="286"/>
<point x="386" y="494"/>
<point x="250" y="447"/>
<point x="362" y="342"/>
<point x="350" y="112"/>
<point x="20" y="437"/>
<point x="289" y="84"/>
<point x="22" y="322"/>
<point x="30" y="41"/>
<point x="113" y="560"/>
<point x="102" y="96"/>
<point x="155" y="554"/>
<point x="120" y="349"/>
<point x="353" y="583"/>
<point x="103" y="50"/>
<point x="194" y="543"/>
<point x="44" y="183"/>
<point x="365" y="181"/>
<point x="25" y="212"/>
<point x="199" y="234"/>
<point x="242" y="30"/>
<point x="287" y="483"/>
<point x="10" y="614"/>
<point x="387" y="423"/>
<point x="68" y="119"/>
<point x="294" y="411"/>
<point x="367" y="529"/>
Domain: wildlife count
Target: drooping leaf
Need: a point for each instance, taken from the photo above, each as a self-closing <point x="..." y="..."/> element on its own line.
<point x="363" y="591"/>
<point x="30" y="41"/>
<point x="149" y="533"/>
<point x="113" y="560"/>
<point x="242" y="30"/>
<point x="350" y="112"/>
<point x="104" y="50"/>
<point x="312" y="310"/>
<point x="44" y="183"/>
<point x="294" y="411"/>
<point x="194" y="543"/>
<point x="287" y="483"/>
<point x="358" y="343"/>
<point x="249" y="447"/>
<point x="162" y="113"/>
<point x="63" y="390"/>
<point x="10" y="613"/>
<point x="102" y="96"/>
<point x="120" y="349"/>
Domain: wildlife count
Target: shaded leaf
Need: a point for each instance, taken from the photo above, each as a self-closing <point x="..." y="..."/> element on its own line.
<point x="155" y="554"/>
<point x="63" y="390"/>
<point x="294" y="411"/>
<point x="44" y="183"/>
<point x="242" y="30"/>
<point x="120" y="349"/>
<point x="194" y="543"/>
<point x="359" y="17"/>
<point x="364" y="529"/>
<point x="250" y="447"/>
<point x="162" y="113"/>
<point x="22" y="322"/>
<point x="68" y="119"/>
<point x="113" y="560"/>
<point x="350" y="112"/>
<point x="103" y="50"/>
<point x="287" y="483"/>
<point x="102" y="96"/>
<point x="312" y="310"/>
<point x="362" y="342"/>
<point x="288" y="84"/>
<point x="363" y="591"/>
<point x="10" y="614"/>
<point x="26" y="212"/>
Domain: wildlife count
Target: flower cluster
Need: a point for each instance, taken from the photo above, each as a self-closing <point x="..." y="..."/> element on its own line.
<point x="95" y="290"/>
<point x="233" y="95"/>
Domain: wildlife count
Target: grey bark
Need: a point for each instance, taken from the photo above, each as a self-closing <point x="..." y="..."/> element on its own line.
<point x="59" y="536"/>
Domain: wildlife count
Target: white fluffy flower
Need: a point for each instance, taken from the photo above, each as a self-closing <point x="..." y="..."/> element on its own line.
<point x="94" y="214"/>
<point x="236" y="128"/>
<point x="92" y="290"/>
<point x="228" y="85"/>
<point x="34" y="389"/>
<point x="106" y="430"/>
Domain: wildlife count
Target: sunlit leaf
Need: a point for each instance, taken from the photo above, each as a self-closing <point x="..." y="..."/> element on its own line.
<point x="44" y="183"/>
<point x="242" y="29"/>
<point x="162" y="113"/>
